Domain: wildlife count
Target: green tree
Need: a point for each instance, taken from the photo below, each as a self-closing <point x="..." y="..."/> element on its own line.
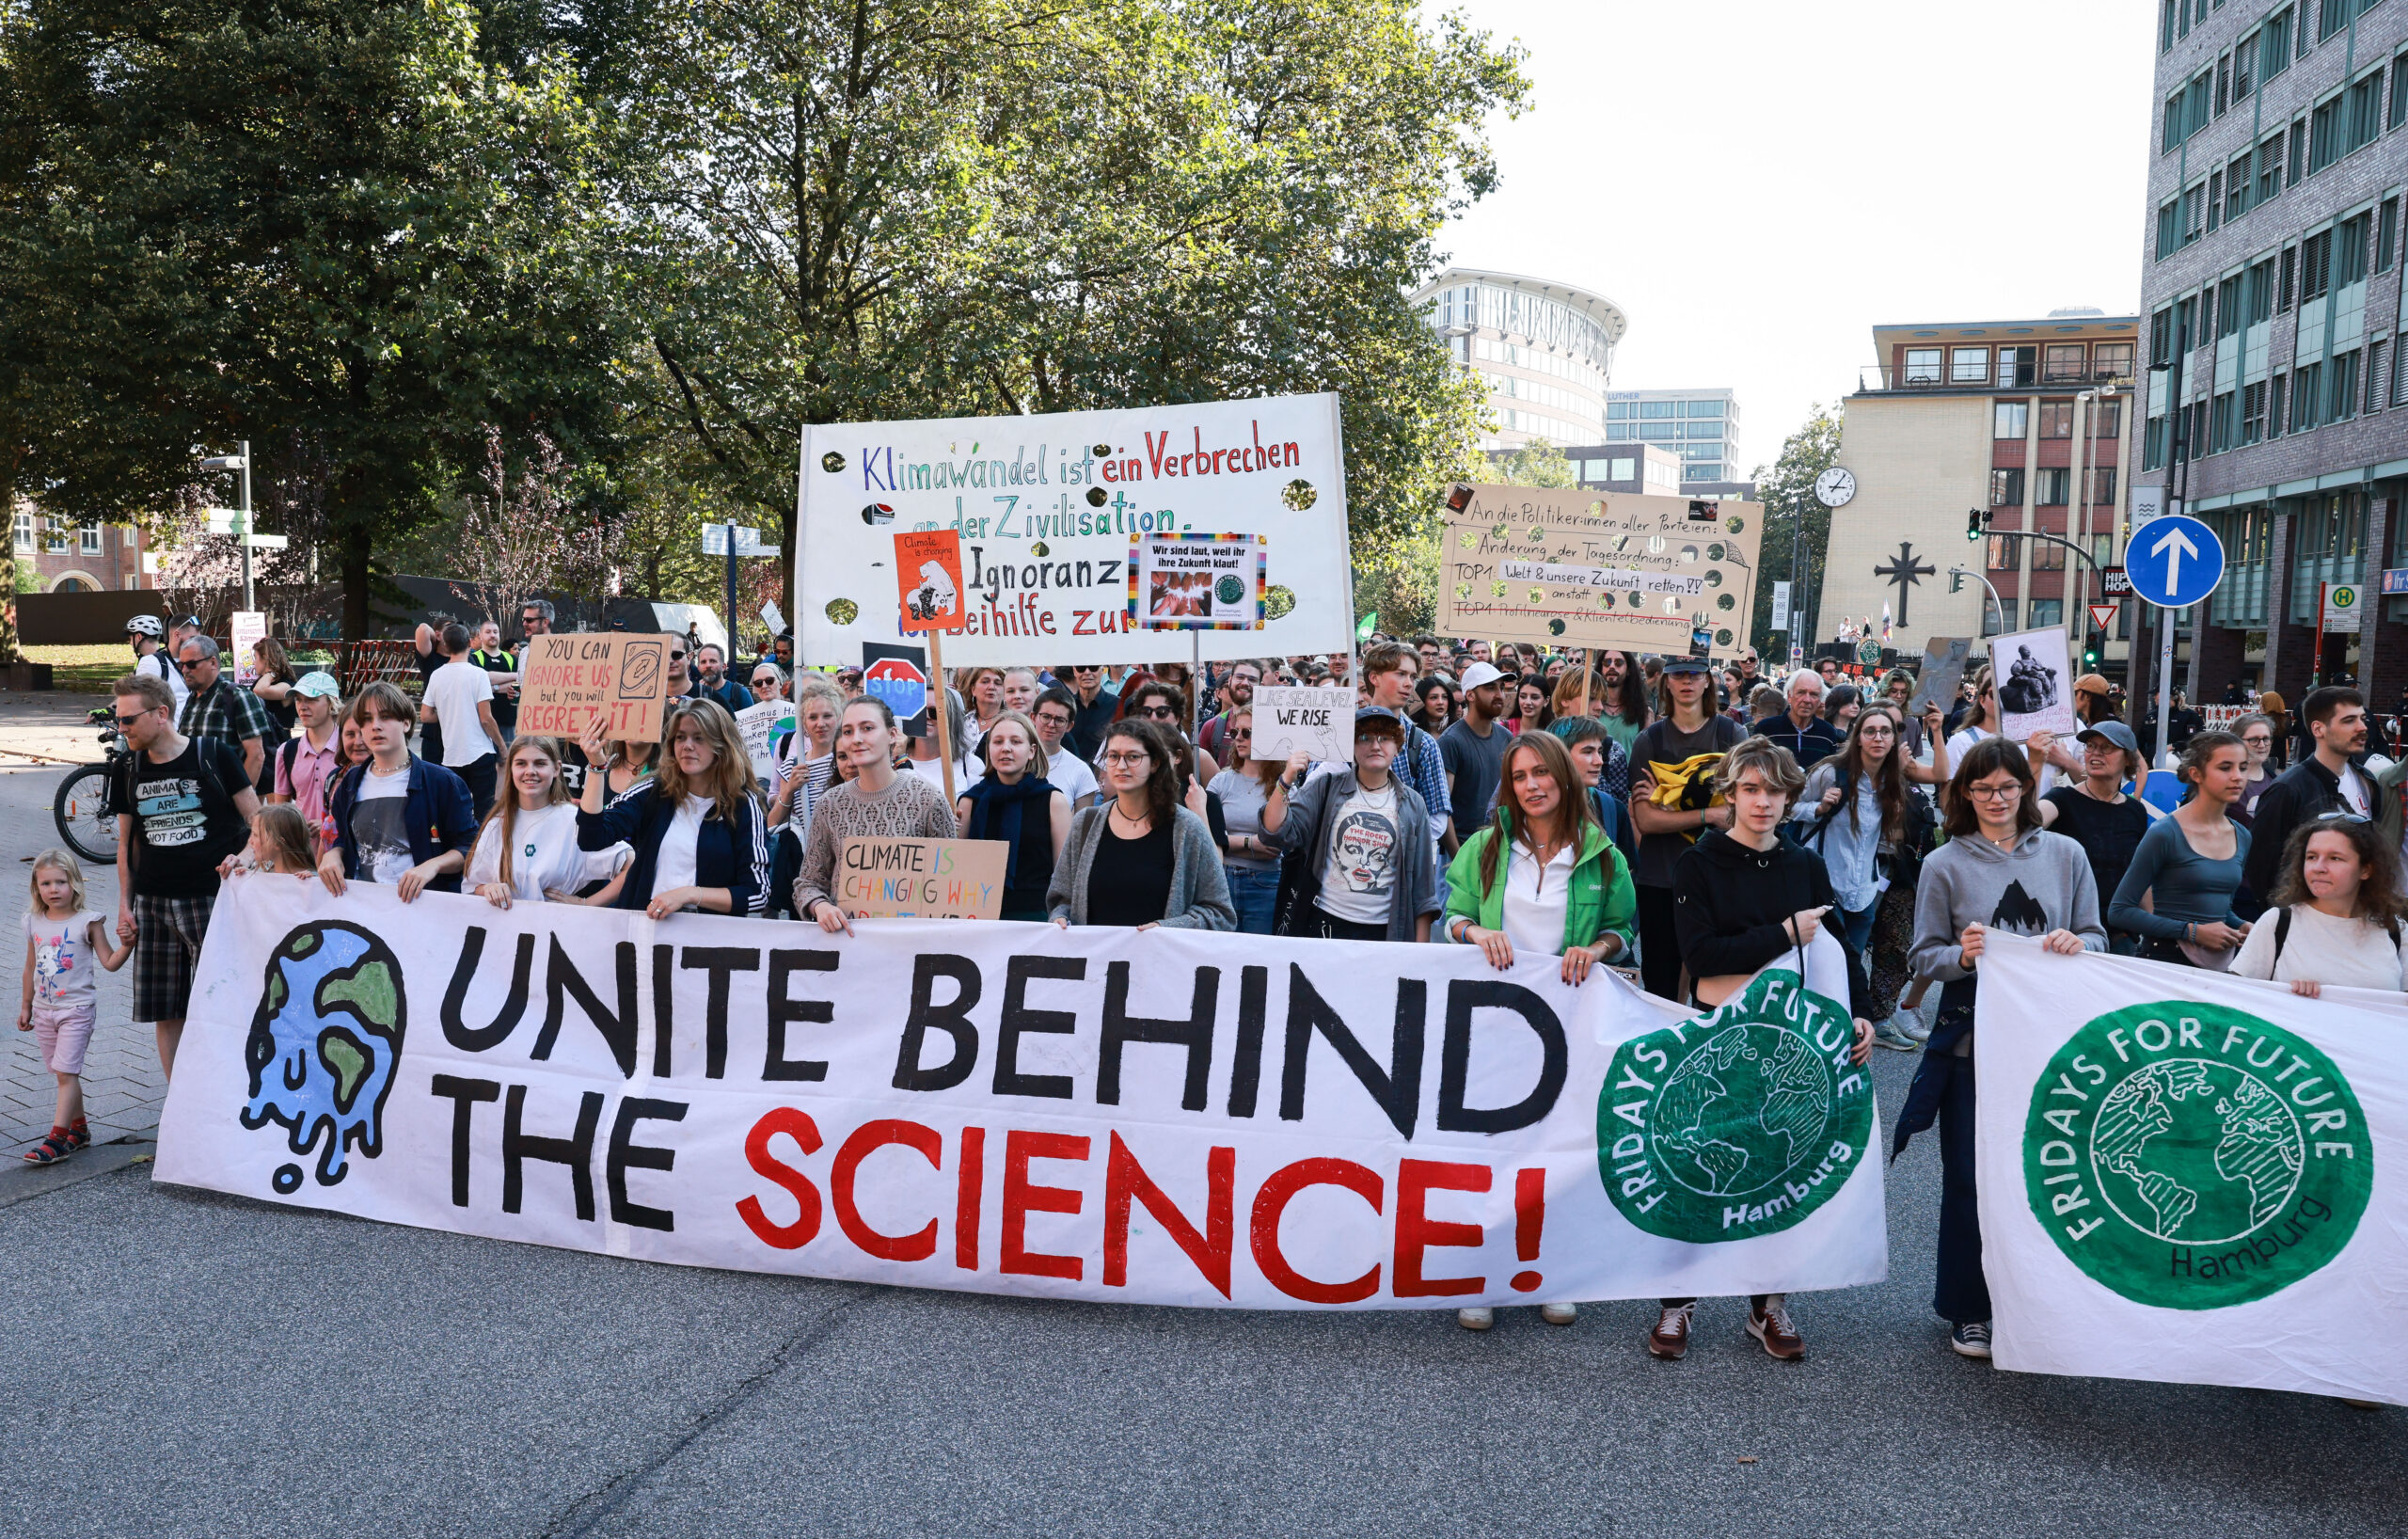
<point x="335" y="228"/>
<point x="1537" y="463"/>
<point x="1786" y="488"/>
<point x="881" y="209"/>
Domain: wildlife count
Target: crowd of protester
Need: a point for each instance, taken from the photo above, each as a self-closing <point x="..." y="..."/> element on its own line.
<point x="1684" y="820"/>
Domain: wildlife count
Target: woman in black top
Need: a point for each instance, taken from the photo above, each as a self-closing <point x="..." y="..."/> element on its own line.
<point x="2097" y="815"/>
<point x="1016" y="804"/>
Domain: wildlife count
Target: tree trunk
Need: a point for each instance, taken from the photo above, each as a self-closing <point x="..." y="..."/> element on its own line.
<point x="358" y="546"/>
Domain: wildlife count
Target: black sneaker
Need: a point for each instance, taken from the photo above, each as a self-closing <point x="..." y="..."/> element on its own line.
<point x="1972" y="1339"/>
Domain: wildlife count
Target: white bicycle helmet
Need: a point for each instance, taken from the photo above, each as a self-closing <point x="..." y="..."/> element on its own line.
<point x="146" y="625"/>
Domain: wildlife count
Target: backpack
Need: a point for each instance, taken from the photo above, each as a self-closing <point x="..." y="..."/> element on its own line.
<point x="2283" y="932"/>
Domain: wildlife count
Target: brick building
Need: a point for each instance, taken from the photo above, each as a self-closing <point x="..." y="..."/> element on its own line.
<point x="2271" y="284"/>
<point x="64" y="558"/>
<point x="2024" y="421"/>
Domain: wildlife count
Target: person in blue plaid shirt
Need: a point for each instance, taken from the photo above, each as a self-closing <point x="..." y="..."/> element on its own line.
<point x="216" y="708"/>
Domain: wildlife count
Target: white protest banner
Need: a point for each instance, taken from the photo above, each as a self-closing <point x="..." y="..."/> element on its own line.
<point x="760" y="723"/>
<point x="2192" y="1176"/>
<point x="1196" y="581"/>
<point x="1315" y="721"/>
<point x="1163" y="1116"/>
<point x="1047" y="506"/>
<point x="246" y="629"/>
<point x="1566" y="568"/>
<point x="2032" y="673"/>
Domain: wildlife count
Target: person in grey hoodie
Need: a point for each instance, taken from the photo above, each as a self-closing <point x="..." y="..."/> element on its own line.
<point x="1999" y="870"/>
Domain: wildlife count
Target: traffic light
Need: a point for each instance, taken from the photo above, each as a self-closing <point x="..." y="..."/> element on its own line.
<point x="2090" y="653"/>
<point x="1973" y="523"/>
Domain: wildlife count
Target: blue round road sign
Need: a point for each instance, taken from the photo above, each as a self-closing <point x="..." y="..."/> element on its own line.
<point x="2174" y="561"/>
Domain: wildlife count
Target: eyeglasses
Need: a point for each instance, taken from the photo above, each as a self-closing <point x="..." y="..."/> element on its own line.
<point x="1994" y="793"/>
<point x="1055" y="720"/>
<point x="1127" y="758"/>
<point x="2258" y="740"/>
<point x="1366" y="739"/>
<point x="1875" y="732"/>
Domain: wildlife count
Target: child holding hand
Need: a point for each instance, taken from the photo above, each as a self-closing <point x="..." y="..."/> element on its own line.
<point x="63" y="938"/>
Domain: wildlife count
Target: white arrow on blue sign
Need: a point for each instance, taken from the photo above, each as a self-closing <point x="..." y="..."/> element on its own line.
<point x="2174" y="562"/>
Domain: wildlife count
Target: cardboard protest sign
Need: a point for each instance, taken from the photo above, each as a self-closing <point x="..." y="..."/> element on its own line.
<point x="2191" y="1176"/>
<point x="922" y="878"/>
<point x="2034" y="677"/>
<point x="898" y="675"/>
<point x="927" y="577"/>
<point x="1941" y="675"/>
<point x="1289" y="720"/>
<point x="1566" y="568"/>
<point x="1196" y="581"/>
<point x="1046" y="505"/>
<point x="567" y="680"/>
<point x="1155" y="1117"/>
<point x="759" y="724"/>
<point x="246" y="629"/>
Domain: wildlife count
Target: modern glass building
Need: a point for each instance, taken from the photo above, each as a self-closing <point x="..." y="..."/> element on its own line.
<point x="1701" y="427"/>
<point x="1545" y="349"/>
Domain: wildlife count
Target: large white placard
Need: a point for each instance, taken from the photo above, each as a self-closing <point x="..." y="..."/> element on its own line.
<point x="1161" y="1117"/>
<point x="2192" y="1176"/>
<point x="1047" y="507"/>
<point x="2032" y="672"/>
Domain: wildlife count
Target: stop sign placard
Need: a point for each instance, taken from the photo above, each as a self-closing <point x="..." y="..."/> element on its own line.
<point x="899" y="682"/>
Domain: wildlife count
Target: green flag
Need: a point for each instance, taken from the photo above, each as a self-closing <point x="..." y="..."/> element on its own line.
<point x="1369" y="623"/>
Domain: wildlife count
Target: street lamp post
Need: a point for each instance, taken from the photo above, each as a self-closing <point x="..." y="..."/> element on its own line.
<point x="240" y="461"/>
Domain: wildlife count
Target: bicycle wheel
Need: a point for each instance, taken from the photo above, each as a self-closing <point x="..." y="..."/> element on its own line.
<point x="82" y="811"/>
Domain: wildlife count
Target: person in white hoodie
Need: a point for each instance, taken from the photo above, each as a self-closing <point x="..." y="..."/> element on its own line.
<point x="1999" y="870"/>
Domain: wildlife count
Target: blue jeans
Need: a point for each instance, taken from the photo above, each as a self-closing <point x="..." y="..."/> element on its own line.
<point x="1858" y="926"/>
<point x="1253" y="891"/>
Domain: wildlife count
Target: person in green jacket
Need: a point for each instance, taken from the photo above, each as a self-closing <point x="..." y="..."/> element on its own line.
<point x="1543" y="877"/>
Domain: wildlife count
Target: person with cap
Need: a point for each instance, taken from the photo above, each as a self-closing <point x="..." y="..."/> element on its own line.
<point x="2095" y="813"/>
<point x="1472" y="749"/>
<point x="2091" y="693"/>
<point x="151" y="653"/>
<point x="1673" y="799"/>
<point x="307" y="763"/>
<point x="1370" y="871"/>
<point x="1802" y="730"/>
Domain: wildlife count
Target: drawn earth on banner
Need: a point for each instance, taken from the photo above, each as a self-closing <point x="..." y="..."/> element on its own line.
<point x="1569" y="567"/>
<point x="1168" y="1117"/>
<point x="1047" y="507"/>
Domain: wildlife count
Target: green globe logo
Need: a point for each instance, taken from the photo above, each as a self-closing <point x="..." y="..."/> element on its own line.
<point x="323" y="1044"/>
<point x="1739" y="1123"/>
<point x="2192" y="1156"/>
<point x="1229" y="590"/>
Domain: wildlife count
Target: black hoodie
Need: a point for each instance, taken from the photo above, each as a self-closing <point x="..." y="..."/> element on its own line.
<point x="1731" y="904"/>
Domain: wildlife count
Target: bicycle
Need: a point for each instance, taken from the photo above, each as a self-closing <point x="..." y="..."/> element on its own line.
<point x="82" y="808"/>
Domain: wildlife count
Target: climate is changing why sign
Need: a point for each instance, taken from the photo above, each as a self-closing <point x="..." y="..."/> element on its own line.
<point x="1165" y="1117"/>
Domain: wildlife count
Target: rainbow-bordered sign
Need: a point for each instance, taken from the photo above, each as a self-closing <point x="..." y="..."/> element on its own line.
<point x="1198" y="581"/>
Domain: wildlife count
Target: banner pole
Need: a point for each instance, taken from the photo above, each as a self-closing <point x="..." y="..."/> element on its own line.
<point x="941" y="704"/>
<point x="1195" y="685"/>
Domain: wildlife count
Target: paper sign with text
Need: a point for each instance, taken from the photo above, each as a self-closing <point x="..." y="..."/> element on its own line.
<point x="246" y="629"/>
<point x="1196" y="581"/>
<point x="922" y="878"/>
<point x="1566" y="568"/>
<point x="927" y="577"/>
<point x="1318" y="722"/>
<point x="2034" y="677"/>
<point x="759" y="724"/>
<point x="567" y="680"/>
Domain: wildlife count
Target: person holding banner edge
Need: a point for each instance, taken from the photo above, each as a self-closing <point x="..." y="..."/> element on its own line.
<point x="2000" y="869"/>
<point x="695" y="825"/>
<point x="2337" y="912"/>
<point x="876" y="802"/>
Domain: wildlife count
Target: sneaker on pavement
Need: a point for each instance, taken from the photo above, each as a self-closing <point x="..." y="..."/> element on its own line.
<point x="1671" y="1336"/>
<point x="1773" y="1329"/>
<point x="1972" y="1339"/>
<point x="1891" y="1035"/>
<point x="1479" y="1318"/>
<point x="1559" y="1314"/>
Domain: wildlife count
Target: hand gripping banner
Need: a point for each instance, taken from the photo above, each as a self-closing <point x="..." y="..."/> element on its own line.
<point x="1162" y="1117"/>
<point x="2192" y="1176"/>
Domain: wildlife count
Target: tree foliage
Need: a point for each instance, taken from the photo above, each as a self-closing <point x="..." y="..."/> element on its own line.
<point x="1537" y="463"/>
<point x="1787" y="489"/>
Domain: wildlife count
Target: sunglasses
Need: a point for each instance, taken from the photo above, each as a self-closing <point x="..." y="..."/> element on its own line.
<point x="2342" y="816"/>
<point x="193" y="663"/>
<point x="677" y="656"/>
<point x="128" y="721"/>
<point x="1160" y="713"/>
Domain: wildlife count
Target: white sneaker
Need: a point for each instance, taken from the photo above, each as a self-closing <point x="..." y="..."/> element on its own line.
<point x="1559" y="1314"/>
<point x="1478" y="1318"/>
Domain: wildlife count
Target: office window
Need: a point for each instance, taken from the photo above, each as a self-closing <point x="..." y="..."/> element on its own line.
<point x="2224" y="422"/>
<point x="2378" y="356"/>
<point x="2269" y="170"/>
<point x="2258" y="293"/>
<point x="2244" y="68"/>
<point x="1923" y="365"/>
<point x="2236" y="187"/>
<point x="2285" y="281"/>
<point x="2336" y="15"/>
<point x="2010" y="419"/>
<point x="2153" y="440"/>
<point x="2215" y="202"/>
<point x="1618" y="432"/>
<point x="2307" y="396"/>
<point x="1617" y="411"/>
<point x="2183" y="310"/>
<point x="2324" y="129"/>
<point x="2006" y="489"/>
<point x="2224" y="83"/>
<point x="2049" y="487"/>
<point x="2275" y="406"/>
<point x="1701" y="409"/>
<point x="2399" y="114"/>
<point x="2064" y="363"/>
<point x="2297" y="153"/>
<point x="2106" y="419"/>
<point x="53" y="536"/>
<point x="2350" y="249"/>
<point x="2387" y="232"/>
<point x="2316" y="265"/>
<point x="2046" y="611"/>
<point x="2111" y="361"/>
<point x="2229" y="305"/>
<point x="1659" y="409"/>
<point x="2019" y="368"/>
<point x="2398" y="384"/>
<point x="1701" y="471"/>
<point x="2161" y="339"/>
<point x="2056" y="418"/>
<point x="2274" y="43"/>
<point x="1623" y="468"/>
<point x="2194" y="201"/>
<point x="1659" y="431"/>
<point x="87" y="539"/>
<point x="2344" y="403"/>
<point x="2102" y="488"/>
<point x="1999" y="618"/>
<point x="2047" y="557"/>
<point x="2253" y="412"/>
<point x="1969" y="365"/>
<point x="2003" y="555"/>
<point x="2169" y="233"/>
<point x="2366" y="111"/>
<point x="2170" y="130"/>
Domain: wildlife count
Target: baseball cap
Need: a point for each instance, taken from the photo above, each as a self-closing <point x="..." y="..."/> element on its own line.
<point x="1367" y="714"/>
<point x="2092" y="684"/>
<point x="1687" y="665"/>
<point x="318" y="683"/>
<point x="2115" y="731"/>
<point x="1480" y="674"/>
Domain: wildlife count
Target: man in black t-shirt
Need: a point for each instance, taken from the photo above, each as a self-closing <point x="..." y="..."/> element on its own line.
<point x="182" y="806"/>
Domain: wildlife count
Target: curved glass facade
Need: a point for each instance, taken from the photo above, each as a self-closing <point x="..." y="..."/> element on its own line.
<point x="1547" y="361"/>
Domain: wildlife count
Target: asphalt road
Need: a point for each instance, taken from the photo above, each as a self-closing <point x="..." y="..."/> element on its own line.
<point x="186" y="1363"/>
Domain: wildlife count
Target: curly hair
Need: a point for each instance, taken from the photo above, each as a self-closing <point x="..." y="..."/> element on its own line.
<point x="2379" y="895"/>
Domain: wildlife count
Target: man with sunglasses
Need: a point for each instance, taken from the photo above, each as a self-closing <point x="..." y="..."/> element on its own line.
<point x="2327" y="781"/>
<point x="216" y="708"/>
<point x="1096" y="707"/>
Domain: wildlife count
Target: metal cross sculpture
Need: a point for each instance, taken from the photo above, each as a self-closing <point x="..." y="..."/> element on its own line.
<point x="1904" y="569"/>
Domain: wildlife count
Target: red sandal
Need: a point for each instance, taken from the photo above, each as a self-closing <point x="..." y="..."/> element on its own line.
<point x="55" y="1147"/>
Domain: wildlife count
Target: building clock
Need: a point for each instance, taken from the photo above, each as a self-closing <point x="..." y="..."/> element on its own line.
<point x="1835" y="487"/>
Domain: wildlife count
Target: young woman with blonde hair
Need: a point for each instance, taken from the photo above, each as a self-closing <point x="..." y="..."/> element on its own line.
<point x="698" y="833"/>
<point x="528" y="848"/>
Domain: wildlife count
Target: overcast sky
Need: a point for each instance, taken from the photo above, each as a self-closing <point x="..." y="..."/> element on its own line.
<point x="1757" y="183"/>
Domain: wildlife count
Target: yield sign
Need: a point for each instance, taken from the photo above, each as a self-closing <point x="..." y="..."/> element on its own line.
<point x="2101" y="616"/>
